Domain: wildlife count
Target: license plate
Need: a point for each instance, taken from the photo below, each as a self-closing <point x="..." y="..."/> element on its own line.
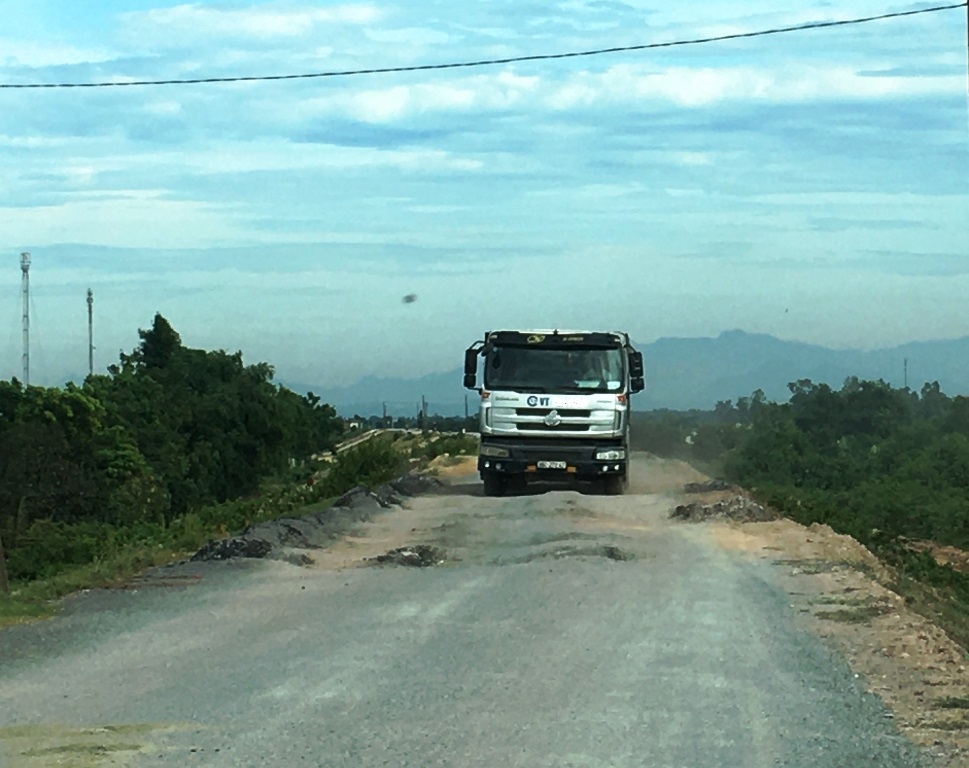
<point x="552" y="465"/>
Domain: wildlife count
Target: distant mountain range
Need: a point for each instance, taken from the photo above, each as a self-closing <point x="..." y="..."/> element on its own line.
<point x="696" y="373"/>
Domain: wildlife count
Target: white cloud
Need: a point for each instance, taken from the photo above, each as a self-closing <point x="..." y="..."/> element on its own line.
<point x="676" y="192"/>
<point x="124" y="219"/>
<point x="693" y="158"/>
<point x="162" y="107"/>
<point x="479" y="93"/>
<point x="36" y="54"/>
<point x="436" y="209"/>
<point x="412" y="36"/>
<point x="240" y="157"/>
<point x="269" y="21"/>
<point x="243" y="157"/>
<point x="702" y="86"/>
<point x="32" y="142"/>
<point x="623" y="84"/>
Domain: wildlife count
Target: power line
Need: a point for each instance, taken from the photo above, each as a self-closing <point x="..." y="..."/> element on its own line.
<point x="493" y="62"/>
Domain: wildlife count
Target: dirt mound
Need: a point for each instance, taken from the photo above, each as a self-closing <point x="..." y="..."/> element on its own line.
<point x="287" y="538"/>
<point x="738" y="508"/>
<point x="418" y="556"/>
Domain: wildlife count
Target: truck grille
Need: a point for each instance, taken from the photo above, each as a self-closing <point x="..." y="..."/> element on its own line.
<point x="565" y="413"/>
<point x="532" y="427"/>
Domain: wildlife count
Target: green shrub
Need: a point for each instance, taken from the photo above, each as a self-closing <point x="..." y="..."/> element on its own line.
<point x="452" y="445"/>
<point x="370" y="463"/>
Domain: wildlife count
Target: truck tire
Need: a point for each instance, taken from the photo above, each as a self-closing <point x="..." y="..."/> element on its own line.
<point x="494" y="485"/>
<point x="614" y="485"/>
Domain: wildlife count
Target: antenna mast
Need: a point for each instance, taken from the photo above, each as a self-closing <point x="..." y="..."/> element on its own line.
<point x="25" y="268"/>
<point x="90" y="332"/>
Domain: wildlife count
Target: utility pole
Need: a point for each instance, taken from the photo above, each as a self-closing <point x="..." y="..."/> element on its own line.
<point x="25" y="268"/>
<point x="90" y="332"/>
<point x="906" y="373"/>
<point x="967" y="61"/>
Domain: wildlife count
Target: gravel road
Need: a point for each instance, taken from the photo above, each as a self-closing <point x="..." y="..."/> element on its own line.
<point x="563" y="629"/>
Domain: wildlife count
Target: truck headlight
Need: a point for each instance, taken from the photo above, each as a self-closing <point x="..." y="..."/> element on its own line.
<point x="611" y="455"/>
<point x="494" y="451"/>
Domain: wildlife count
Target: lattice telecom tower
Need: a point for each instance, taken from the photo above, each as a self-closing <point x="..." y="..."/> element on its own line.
<point x="25" y="268"/>
<point x="90" y="332"/>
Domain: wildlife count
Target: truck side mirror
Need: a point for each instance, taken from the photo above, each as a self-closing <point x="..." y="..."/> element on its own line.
<point x="636" y="370"/>
<point x="471" y="368"/>
<point x="637" y="374"/>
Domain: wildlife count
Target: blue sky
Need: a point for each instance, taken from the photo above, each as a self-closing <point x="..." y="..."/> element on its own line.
<point x="812" y="185"/>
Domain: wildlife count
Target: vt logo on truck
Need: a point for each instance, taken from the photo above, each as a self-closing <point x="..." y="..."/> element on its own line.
<point x="542" y="401"/>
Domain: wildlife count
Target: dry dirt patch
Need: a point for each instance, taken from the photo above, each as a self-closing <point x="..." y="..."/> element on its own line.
<point x="844" y="591"/>
<point x="651" y="474"/>
<point x="449" y="467"/>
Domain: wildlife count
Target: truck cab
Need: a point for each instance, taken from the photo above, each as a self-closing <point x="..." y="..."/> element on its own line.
<point x="555" y="406"/>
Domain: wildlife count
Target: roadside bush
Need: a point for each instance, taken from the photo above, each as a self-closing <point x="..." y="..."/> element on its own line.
<point x="48" y="548"/>
<point x="453" y="445"/>
<point x="370" y="463"/>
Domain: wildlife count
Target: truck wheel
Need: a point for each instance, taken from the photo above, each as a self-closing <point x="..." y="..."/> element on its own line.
<point x="614" y="485"/>
<point x="494" y="485"/>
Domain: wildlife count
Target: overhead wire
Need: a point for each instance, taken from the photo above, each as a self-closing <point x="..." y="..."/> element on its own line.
<point x="493" y="62"/>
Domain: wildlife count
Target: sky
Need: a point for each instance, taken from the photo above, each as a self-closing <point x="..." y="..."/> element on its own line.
<point x="812" y="185"/>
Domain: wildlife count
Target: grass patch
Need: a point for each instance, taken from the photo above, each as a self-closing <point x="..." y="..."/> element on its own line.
<point x="953" y="702"/>
<point x="939" y="606"/>
<point x="946" y="725"/>
<point x="859" y="615"/>
<point x="860" y="601"/>
<point x="81" y="750"/>
<point x="18" y="609"/>
<point x="938" y="592"/>
<point x="39" y="599"/>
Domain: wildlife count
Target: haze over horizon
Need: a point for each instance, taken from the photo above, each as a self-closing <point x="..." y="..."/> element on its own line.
<point x="813" y="185"/>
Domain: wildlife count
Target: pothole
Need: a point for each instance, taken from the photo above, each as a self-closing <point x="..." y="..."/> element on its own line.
<point x="606" y="551"/>
<point x="417" y="556"/>
<point x="542" y="539"/>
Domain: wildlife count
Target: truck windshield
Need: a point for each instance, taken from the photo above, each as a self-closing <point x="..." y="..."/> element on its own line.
<point x="545" y="369"/>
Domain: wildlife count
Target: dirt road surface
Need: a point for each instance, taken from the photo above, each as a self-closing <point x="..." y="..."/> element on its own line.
<point x="558" y="629"/>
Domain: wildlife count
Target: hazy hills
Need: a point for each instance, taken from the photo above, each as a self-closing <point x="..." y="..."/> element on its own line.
<point x="696" y="373"/>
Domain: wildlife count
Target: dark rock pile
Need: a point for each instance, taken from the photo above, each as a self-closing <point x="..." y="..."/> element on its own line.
<point x="289" y="538"/>
<point x="418" y="556"/>
<point x="738" y="508"/>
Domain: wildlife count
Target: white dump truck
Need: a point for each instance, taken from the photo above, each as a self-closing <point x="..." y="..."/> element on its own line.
<point x="555" y="406"/>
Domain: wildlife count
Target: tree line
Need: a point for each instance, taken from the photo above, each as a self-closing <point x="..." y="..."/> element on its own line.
<point x="875" y="462"/>
<point x="167" y="430"/>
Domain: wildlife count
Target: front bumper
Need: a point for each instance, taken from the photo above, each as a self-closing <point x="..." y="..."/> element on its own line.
<point x="554" y="462"/>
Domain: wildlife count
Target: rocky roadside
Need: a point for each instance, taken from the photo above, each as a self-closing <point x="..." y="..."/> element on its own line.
<point x="292" y="539"/>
